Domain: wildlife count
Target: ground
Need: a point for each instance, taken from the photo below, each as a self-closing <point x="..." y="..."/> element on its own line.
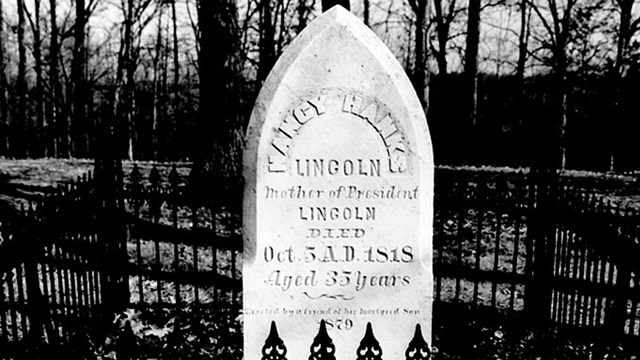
<point x="458" y="336"/>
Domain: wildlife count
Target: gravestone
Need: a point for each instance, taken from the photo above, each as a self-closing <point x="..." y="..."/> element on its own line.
<point x="338" y="203"/>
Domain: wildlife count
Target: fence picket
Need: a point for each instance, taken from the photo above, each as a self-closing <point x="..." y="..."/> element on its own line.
<point x="174" y="182"/>
<point x="479" y="227"/>
<point x="460" y="239"/>
<point x="516" y="250"/>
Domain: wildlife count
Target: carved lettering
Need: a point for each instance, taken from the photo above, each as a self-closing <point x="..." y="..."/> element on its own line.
<point x="303" y="113"/>
<point x="332" y="167"/>
<point x="323" y="213"/>
<point x="277" y="163"/>
<point x="289" y="127"/>
<point x="369" y="113"/>
<point x="352" y="103"/>
<point x="281" y="144"/>
<point x="398" y="162"/>
<point x="318" y="104"/>
<point x="394" y="142"/>
<point x="386" y="126"/>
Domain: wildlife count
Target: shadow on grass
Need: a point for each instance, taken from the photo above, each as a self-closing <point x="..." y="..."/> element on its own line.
<point x="462" y="332"/>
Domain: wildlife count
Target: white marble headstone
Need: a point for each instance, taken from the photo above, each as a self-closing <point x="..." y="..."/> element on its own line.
<point x="338" y="203"/>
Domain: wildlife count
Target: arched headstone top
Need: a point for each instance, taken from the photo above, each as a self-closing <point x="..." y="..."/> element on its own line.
<point x="338" y="52"/>
<point x="338" y="207"/>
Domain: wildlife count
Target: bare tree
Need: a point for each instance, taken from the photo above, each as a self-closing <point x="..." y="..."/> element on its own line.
<point x="217" y="151"/>
<point x="267" y="39"/>
<point x="557" y="19"/>
<point x="41" y="125"/>
<point x="4" y="109"/>
<point x="21" y="120"/>
<point x="445" y="12"/>
<point x="523" y="42"/>
<point x="78" y="82"/>
<point x="420" y="76"/>
<point x="365" y="15"/>
<point x="628" y="26"/>
<point x="134" y="23"/>
<point x="471" y="59"/>
<point x="304" y="10"/>
<point x="156" y="84"/>
<point x="59" y="127"/>
<point x="176" y="57"/>
<point x="128" y="66"/>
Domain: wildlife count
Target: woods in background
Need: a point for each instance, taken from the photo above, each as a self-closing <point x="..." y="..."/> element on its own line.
<point x="501" y="79"/>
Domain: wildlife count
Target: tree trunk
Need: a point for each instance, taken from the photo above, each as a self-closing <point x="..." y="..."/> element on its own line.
<point x="216" y="154"/>
<point x="128" y="67"/>
<point x="4" y="108"/>
<point x="420" y="76"/>
<point x="367" y="6"/>
<point x="442" y="33"/>
<point x="156" y="90"/>
<point x="624" y="33"/>
<point x="522" y="107"/>
<point x="78" y="82"/>
<point x="41" y="148"/>
<point x="304" y="9"/>
<point x="624" y="37"/>
<point x="267" y="40"/>
<point x="328" y="4"/>
<point x="59" y="127"/>
<point x="564" y="108"/>
<point x="562" y="88"/>
<point x="471" y="60"/>
<point x="176" y="59"/>
<point x="21" y="121"/>
<point x="522" y="43"/>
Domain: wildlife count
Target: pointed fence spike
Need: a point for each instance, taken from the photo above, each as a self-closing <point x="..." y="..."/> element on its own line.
<point x="418" y="348"/>
<point x="273" y="331"/>
<point x="135" y="176"/>
<point x="174" y="176"/>
<point x="322" y="347"/>
<point x="369" y="348"/>
<point x="274" y="348"/>
<point x="154" y="176"/>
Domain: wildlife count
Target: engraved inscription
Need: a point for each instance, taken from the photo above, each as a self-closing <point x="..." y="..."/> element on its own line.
<point x="330" y="167"/>
<point x="338" y="203"/>
<point x="329" y="102"/>
<point x="289" y="127"/>
<point x="323" y="213"/>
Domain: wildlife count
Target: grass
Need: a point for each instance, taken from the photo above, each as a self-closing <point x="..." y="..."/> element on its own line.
<point x="22" y="180"/>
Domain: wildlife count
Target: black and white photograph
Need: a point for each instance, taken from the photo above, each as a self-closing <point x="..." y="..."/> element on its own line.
<point x="319" y="179"/>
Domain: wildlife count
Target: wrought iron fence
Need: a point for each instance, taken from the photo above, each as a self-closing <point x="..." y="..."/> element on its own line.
<point x="67" y="264"/>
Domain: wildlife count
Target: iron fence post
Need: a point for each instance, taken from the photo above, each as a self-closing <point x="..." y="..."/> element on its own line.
<point x="542" y="225"/>
<point x="112" y="236"/>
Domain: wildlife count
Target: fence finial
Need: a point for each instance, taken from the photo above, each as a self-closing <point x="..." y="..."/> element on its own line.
<point x="418" y="348"/>
<point x="322" y="347"/>
<point x="274" y="348"/>
<point x="369" y="348"/>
